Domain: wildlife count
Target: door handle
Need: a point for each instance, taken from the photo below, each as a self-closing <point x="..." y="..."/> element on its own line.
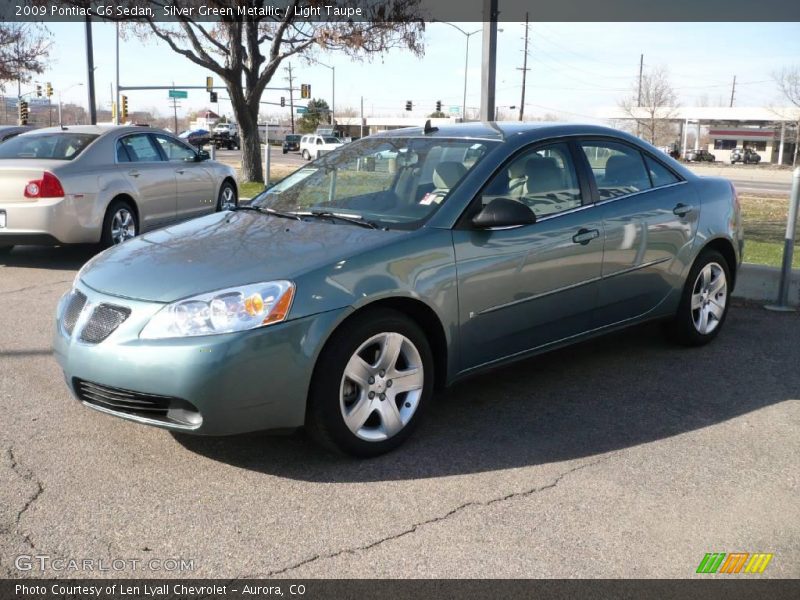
<point x="681" y="210"/>
<point x="133" y="173"/>
<point x="584" y="236"/>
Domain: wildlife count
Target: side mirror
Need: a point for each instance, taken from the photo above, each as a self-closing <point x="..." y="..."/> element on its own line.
<point x="202" y="155"/>
<point x="504" y="212"/>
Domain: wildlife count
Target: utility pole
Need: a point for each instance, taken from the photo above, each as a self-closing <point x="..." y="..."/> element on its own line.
<point x="116" y="94"/>
<point x="524" y="69"/>
<point x="361" y="134"/>
<point x="489" y="59"/>
<point x="733" y="90"/>
<point x="291" y="94"/>
<point x="639" y="97"/>
<point x="175" y="111"/>
<point x="90" y="72"/>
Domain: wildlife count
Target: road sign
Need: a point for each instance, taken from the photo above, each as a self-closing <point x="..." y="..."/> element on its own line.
<point x="455" y="110"/>
<point x="178" y="94"/>
<point x="301" y="110"/>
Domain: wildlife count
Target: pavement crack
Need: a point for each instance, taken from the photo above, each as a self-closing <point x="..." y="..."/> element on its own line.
<point x="33" y="287"/>
<point x="25" y="474"/>
<point x="415" y="527"/>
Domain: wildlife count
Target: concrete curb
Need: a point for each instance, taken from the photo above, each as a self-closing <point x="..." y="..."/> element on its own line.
<point x="760" y="283"/>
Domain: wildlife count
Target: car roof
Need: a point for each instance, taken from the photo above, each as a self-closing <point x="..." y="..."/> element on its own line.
<point x="97" y="129"/>
<point x="504" y="130"/>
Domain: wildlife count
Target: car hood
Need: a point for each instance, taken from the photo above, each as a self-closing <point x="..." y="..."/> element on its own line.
<point x="224" y="250"/>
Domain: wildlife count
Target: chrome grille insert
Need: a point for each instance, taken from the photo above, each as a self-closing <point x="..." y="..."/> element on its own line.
<point x="104" y="320"/>
<point x="75" y="304"/>
<point x="165" y="409"/>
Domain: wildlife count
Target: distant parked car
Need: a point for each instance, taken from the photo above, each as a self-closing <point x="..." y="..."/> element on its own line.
<point x="340" y="298"/>
<point x="291" y="143"/>
<point x="9" y="131"/>
<point x="196" y="137"/>
<point x="89" y="184"/>
<point x="746" y="156"/>
<point x="313" y="146"/>
<point x="699" y="156"/>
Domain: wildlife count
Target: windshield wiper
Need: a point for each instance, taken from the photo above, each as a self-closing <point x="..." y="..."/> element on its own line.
<point x="269" y="211"/>
<point x="354" y="219"/>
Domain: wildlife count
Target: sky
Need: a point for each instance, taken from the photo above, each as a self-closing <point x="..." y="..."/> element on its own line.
<point x="576" y="69"/>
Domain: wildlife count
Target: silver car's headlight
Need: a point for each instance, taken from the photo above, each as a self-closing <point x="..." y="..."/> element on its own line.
<point x="223" y="311"/>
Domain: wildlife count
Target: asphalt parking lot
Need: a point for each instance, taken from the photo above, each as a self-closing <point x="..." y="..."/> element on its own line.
<point x="621" y="457"/>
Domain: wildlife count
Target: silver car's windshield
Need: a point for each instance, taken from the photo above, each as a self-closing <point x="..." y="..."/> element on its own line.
<point x="55" y="146"/>
<point x="396" y="182"/>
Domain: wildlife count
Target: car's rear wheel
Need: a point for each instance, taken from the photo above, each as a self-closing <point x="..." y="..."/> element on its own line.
<point x="372" y="381"/>
<point x="705" y="301"/>
<point x="120" y="224"/>
<point x="306" y="155"/>
<point x="227" y="199"/>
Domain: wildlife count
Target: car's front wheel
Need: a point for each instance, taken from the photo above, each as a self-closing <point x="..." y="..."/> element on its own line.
<point x="227" y="199"/>
<point x="372" y="381"/>
<point x="120" y="224"/>
<point x="705" y="301"/>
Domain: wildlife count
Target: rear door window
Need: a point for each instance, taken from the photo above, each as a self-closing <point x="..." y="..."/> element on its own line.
<point x="618" y="169"/>
<point x="140" y="148"/>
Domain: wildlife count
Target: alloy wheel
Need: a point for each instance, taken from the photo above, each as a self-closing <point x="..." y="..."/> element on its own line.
<point x="709" y="298"/>
<point x="123" y="226"/>
<point x="381" y="387"/>
<point x="227" y="198"/>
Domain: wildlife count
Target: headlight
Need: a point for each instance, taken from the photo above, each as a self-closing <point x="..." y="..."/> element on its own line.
<point x="223" y="311"/>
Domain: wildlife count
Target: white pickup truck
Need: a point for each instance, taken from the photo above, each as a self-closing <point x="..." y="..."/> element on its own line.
<point x="225" y="135"/>
<point x="313" y="145"/>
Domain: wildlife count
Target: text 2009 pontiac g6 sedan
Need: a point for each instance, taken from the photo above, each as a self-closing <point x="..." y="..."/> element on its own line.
<point x="345" y="294"/>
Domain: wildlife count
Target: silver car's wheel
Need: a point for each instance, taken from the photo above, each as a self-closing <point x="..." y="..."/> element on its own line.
<point x="709" y="298"/>
<point x="227" y="197"/>
<point x="381" y="387"/>
<point x="123" y="226"/>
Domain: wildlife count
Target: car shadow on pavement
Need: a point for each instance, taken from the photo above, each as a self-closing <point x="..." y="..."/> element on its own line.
<point x="626" y="389"/>
<point x="66" y="258"/>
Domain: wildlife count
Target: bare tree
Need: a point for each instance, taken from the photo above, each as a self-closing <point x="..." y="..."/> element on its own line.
<point x="788" y="80"/>
<point x="652" y="106"/>
<point x="246" y="51"/>
<point x="23" y="52"/>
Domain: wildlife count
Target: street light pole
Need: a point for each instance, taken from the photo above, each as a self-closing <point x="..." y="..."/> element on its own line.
<point x="466" y="63"/>
<point x="333" y="89"/>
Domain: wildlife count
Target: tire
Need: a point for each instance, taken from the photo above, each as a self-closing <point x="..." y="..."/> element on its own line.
<point x="704" y="302"/>
<point x="5" y="250"/>
<point x="120" y="224"/>
<point x="227" y="198"/>
<point x="306" y="155"/>
<point x="380" y="417"/>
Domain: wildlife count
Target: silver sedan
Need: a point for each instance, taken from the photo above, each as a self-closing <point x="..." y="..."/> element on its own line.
<point x="89" y="184"/>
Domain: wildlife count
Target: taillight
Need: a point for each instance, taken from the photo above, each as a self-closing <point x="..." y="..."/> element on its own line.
<point x="47" y="187"/>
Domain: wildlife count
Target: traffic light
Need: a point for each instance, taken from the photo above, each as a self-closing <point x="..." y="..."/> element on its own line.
<point x="283" y="101"/>
<point x="124" y="112"/>
<point x="213" y="97"/>
<point x="49" y="89"/>
<point x="438" y="106"/>
<point x="209" y="84"/>
<point x="409" y="105"/>
<point x="38" y="90"/>
<point x="305" y="90"/>
<point x="23" y="112"/>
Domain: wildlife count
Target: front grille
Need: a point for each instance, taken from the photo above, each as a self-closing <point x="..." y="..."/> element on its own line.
<point x="104" y="320"/>
<point x="75" y="304"/>
<point x="167" y="409"/>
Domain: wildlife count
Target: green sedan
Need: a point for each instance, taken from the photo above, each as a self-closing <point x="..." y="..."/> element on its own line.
<point x="341" y="298"/>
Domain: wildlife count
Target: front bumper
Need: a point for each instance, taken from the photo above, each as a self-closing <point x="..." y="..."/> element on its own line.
<point x="48" y="221"/>
<point x="231" y="383"/>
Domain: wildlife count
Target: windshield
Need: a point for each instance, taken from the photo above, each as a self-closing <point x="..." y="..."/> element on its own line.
<point x="332" y="140"/>
<point x="55" y="146"/>
<point x="292" y="138"/>
<point x="396" y="183"/>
